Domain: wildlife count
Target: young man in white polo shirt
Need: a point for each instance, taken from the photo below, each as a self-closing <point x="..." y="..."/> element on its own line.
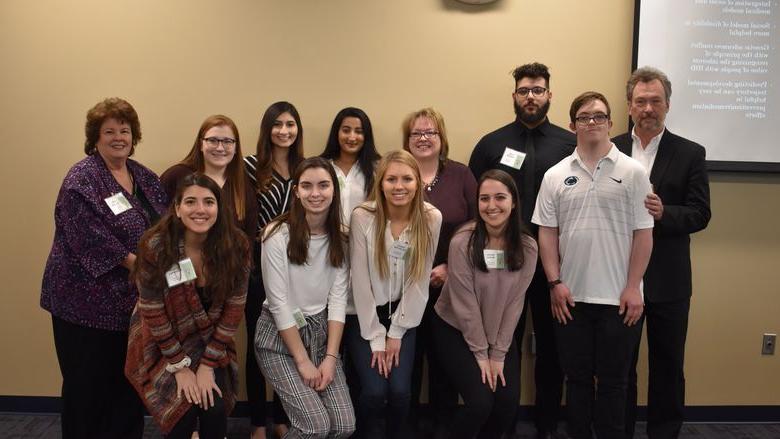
<point x="595" y="239"/>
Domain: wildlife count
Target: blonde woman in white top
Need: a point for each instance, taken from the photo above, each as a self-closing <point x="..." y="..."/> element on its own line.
<point x="392" y="245"/>
<point x="305" y="272"/>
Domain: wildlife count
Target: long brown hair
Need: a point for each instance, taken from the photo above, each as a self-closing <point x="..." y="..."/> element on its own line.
<point x="298" y="246"/>
<point x="265" y="162"/>
<point x="235" y="180"/>
<point x="421" y="240"/>
<point x="225" y="251"/>
<point x="513" y="232"/>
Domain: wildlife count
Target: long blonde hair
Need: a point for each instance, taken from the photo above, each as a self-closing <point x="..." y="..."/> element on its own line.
<point x="421" y="241"/>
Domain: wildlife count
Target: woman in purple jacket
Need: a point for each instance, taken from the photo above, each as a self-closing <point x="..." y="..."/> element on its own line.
<point x="104" y="205"/>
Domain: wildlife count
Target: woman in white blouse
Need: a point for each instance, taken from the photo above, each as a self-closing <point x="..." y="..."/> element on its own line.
<point x="352" y="153"/>
<point x="305" y="271"/>
<point x="392" y="245"/>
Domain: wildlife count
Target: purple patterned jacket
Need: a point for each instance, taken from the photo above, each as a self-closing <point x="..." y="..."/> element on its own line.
<point x="84" y="281"/>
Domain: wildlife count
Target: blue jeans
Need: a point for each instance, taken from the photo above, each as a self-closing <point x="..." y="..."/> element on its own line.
<point x="377" y="393"/>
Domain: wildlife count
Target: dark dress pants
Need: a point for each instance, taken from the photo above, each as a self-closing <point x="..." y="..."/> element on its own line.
<point x="255" y="381"/>
<point x="97" y="400"/>
<point x="667" y="327"/>
<point x="484" y="413"/>
<point x="442" y="397"/>
<point x="596" y="350"/>
<point x="548" y="375"/>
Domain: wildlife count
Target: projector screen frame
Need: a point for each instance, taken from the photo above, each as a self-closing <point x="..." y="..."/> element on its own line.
<point x="712" y="165"/>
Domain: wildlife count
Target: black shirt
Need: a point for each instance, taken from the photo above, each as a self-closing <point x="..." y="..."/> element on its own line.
<point x="551" y="145"/>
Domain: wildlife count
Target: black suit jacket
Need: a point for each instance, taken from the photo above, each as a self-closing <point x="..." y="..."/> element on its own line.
<point x="679" y="178"/>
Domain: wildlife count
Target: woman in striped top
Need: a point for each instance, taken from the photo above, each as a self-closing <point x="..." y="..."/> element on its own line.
<point x="279" y="151"/>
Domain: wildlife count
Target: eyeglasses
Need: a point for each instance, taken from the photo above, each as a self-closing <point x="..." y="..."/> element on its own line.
<point x="598" y="119"/>
<point x="420" y="134"/>
<point x="536" y="91"/>
<point x="214" y="142"/>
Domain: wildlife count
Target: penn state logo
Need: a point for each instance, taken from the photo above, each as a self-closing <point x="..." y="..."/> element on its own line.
<point x="571" y="180"/>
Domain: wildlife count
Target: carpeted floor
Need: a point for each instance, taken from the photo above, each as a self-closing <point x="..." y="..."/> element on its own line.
<point x="40" y="426"/>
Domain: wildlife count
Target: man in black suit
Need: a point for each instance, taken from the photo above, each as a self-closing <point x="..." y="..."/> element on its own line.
<point x="680" y="205"/>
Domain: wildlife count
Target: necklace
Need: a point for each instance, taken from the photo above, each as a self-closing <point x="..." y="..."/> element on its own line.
<point x="429" y="186"/>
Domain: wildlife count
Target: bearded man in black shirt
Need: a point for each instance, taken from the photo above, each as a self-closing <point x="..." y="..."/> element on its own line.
<point x="526" y="149"/>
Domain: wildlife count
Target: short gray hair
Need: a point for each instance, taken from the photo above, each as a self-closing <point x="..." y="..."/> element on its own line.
<point x="648" y="74"/>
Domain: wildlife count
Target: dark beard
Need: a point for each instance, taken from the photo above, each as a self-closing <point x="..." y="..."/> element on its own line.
<point x="532" y="119"/>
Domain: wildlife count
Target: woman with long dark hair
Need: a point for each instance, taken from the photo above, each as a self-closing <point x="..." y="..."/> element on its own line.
<point x="279" y="151"/>
<point x="392" y="242"/>
<point x="491" y="263"/>
<point x="352" y="152"/>
<point x="306" y="273"/>
<point x="191" y="272"/>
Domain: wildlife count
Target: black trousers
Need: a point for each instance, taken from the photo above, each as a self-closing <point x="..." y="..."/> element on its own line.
<point x="667" y="328"/>
<point x="484" y="413"/>
<point x="596" y="347"/>
<point x="210" y="423"/>
<point x="97" y="400"/>
<point x="548" y="375"/>
<point x="442" y="397"/>
<point x="255" y="381"/>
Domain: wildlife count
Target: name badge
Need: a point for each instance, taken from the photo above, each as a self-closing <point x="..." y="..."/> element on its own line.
<point x="118" y="203"/>
<point x="512" y="158"/>
<point x="300" y="319"/>
<point x="342" y="182"/>
<point x="494" y="259"/>
<point x="399" y="249"/>
<point x="179" y="273"/>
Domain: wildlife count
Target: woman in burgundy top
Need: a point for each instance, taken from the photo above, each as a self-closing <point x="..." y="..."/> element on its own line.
<point x="450" y="186"/>
<point x="491" y="262"/>
<point x="105" y="203"/>
<point x="216" y="153"/>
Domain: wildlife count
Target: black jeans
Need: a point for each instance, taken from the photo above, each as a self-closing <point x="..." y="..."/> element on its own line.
<point x="596" y="345"/>
<point x="97" y="400"/>
<point x="484" y="413"/>
<point x="210" y="423"/>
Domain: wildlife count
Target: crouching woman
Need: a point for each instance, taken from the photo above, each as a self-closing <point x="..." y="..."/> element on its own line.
<point x="306" y="274"/>
<point x="191" y="272"/>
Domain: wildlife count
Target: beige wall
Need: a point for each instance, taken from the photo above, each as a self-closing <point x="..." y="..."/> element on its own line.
<point x="179" y="61"/>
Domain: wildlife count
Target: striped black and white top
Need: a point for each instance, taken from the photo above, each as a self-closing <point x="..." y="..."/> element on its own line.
<point x="274" y="201"/>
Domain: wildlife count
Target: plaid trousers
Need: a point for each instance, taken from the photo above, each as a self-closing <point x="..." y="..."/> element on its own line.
<point x="326" y="414"/>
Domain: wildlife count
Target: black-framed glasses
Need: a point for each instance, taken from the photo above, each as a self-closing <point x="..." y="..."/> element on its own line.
<point x="214" y="142"/>
<point x="598" y="119"/>
<point x="536" y="91"/>
<point x="420" y="134"/>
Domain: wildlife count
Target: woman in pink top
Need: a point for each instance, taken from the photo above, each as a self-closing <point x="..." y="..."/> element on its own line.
<point x="491" y="262"/>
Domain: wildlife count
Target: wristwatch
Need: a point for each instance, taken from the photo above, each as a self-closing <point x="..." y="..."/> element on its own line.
<point x="553" y="283"/>
<point x="173" y="368"/>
